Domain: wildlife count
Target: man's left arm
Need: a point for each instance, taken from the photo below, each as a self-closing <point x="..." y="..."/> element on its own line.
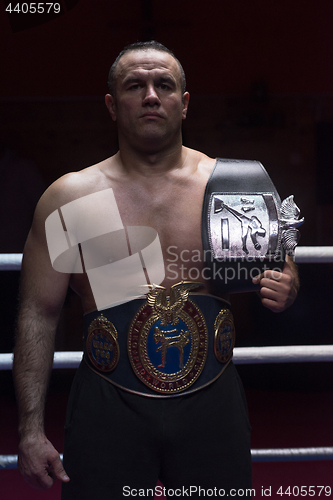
<point x="278" y="290"/>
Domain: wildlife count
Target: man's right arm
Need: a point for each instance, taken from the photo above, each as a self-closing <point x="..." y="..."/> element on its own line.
<point x="42" y="294"/>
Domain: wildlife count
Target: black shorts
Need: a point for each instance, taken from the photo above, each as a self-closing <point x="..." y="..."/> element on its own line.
<point x="117" y="443"/>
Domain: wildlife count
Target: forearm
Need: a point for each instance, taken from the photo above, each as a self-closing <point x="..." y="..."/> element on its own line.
<point x="33" y="357"/>
<point x="39" y="462"/>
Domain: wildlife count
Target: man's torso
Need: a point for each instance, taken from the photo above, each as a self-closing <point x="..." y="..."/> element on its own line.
<point x="170" y="203"/>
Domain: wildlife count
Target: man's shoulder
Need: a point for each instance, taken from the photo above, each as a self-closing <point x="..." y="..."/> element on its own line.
<point x="204" y="163"/>
<point x="74" y="185"/>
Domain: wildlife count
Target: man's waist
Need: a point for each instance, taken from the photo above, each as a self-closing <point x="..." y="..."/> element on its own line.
<point x="161" y="348"/>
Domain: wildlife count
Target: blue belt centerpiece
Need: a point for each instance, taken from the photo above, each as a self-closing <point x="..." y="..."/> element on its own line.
<point x="168" y="340"/>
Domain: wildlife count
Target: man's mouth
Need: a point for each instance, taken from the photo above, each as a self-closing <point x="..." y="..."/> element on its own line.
<point x="151" y="114"/>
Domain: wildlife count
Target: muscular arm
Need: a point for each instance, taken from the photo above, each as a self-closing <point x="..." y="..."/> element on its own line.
<point x="279" y="290"/>
<point x="42" y="294"/>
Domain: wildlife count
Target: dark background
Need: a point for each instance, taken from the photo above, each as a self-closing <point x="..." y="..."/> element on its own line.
<point x="261" y="82"/>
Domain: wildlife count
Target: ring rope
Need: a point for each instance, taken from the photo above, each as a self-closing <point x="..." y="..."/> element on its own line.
<point x="242" y="356"/>
<point x="259" y="455"/>
<point x="10" y="261"/>
<point x="292" y="454"/>
<point x="313" y="255"/>
<point x="303" y="255"/>
<point x="283" y="354"/>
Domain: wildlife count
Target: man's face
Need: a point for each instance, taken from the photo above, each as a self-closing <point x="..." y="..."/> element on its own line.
<point x="149" y="104"/>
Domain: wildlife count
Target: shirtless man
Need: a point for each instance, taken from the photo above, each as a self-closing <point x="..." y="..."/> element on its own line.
<point x="149" y="176"/>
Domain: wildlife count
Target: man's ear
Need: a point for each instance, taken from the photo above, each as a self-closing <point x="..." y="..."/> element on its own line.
<point x="186" y="100"/>
<point x="111" y="105"/>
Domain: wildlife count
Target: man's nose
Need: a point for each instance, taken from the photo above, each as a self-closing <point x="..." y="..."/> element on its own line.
<point x="151" y="96"/>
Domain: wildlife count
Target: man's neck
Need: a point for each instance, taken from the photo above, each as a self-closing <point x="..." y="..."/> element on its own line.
<point x="153" y="162"/>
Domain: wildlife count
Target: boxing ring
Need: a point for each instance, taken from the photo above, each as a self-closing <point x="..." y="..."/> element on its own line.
<point x="242" y="355"/>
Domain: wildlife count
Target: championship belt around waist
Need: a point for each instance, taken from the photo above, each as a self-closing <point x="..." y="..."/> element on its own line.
<point x="245" y="227"/>
<point x="161" y="348"/>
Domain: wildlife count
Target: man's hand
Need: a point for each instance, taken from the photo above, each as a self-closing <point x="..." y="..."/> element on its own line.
<point x="40" y="463"/>
<point x="278" y="290"/>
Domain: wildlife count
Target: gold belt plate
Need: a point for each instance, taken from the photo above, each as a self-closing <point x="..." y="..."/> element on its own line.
<point x="102" y="344"/>
<point x="168" y="340"/>
<point x="224" y="335"/>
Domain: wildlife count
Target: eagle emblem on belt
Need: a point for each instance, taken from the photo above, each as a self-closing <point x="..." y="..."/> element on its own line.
<point x="289" y="222"/>
<point x="168" y="307"/>
<point x="168" y="339"/>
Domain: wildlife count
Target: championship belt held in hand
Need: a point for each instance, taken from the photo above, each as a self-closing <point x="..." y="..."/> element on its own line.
<point x="245" y="227"/>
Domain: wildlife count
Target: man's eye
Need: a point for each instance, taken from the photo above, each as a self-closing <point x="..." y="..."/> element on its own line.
<point x="135" y="86"/>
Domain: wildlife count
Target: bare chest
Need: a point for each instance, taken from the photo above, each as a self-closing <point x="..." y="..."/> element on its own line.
<point x="174" y="211"/>
<point x="173" y="208"/>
